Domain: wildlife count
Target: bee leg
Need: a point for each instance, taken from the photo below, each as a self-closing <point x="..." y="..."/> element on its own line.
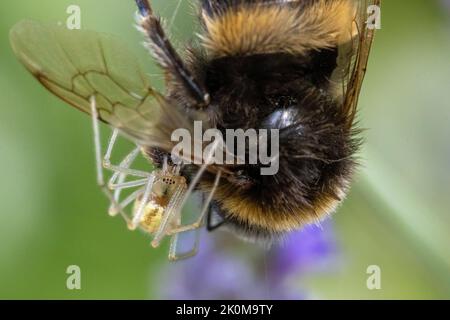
<point x="167" y="57"/>
<point x="209" y="221"/>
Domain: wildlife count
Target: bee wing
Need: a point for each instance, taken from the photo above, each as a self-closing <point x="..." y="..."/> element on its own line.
<point x="355" y="61"/>
<point x="77" y="65"/>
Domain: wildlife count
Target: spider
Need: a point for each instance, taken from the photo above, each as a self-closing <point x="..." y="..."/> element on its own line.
<point x="159" y="199"/>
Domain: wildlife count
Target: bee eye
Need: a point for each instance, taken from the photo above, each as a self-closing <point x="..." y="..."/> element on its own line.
<point x="281" y="118"/>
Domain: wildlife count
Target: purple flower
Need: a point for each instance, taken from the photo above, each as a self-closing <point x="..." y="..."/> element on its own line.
<point x="226" y="268"/>
<point x="446" y="4"/>
<point x="304" y="251"/>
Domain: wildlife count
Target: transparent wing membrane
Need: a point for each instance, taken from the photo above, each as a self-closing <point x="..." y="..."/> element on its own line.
<point x="76" y="65"/>
<point x="356" y="55"/>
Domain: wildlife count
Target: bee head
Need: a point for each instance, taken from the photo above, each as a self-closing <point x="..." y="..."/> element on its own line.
<point x="294" y="96"/>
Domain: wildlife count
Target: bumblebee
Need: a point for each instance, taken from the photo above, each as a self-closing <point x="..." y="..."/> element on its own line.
<point x="294" y="66"/>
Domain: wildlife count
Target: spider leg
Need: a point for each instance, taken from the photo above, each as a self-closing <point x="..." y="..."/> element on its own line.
<point x="118" y="177"/>
<point x="98" y="161"/>
<point x="173" y="255"/>
<point x="118" y="188"/>
<point x="120" y="172"/>
<point x="129" y="184"/>
<point x="124" y="167"/>
<point x="117" y="181"/>
<point x="129" y="199"/>
<point x="197" y="224"/>
<point x="176" y="204"/>
<point x="145" y="198"/>
<point x="173" y="209"/>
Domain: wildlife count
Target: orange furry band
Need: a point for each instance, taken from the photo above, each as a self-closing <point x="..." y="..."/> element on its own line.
<point x="248" y="30"/>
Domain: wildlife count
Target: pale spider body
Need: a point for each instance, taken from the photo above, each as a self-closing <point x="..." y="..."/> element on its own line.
<point x="164" y="188"/>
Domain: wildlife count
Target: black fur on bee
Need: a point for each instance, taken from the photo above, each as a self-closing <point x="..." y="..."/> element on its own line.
<point x="258" y="76"/>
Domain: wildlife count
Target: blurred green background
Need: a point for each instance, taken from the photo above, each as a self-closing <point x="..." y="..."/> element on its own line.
<point x="52" y="215"/>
